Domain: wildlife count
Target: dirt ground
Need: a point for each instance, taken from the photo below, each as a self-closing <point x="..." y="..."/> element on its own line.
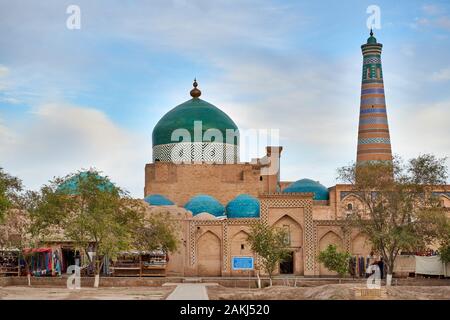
<point x="60" y="293"/>
<point x="328" y="292"/>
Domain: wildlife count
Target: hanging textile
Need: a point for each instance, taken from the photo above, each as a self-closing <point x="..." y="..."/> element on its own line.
<point x="431" y="265"/>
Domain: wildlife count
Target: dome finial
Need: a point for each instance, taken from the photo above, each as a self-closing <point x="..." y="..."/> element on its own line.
<point x="195" y="93"/>
<point x="371" y="32"/>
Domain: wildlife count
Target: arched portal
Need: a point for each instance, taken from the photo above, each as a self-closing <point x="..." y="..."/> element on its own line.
<point x="329" y="238"/>
<point x="209" y="255"/>
<point x="240" y="247"/>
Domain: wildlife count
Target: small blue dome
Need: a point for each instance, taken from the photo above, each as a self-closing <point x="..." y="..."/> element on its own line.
<point x="243" y="206"/>
<point x="70" y="186"/>
<point x="158" y="200"/>
<point x="308" y="185"/>
<point x="205" y="203"/>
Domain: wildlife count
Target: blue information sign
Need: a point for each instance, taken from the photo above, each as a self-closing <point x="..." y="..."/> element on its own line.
<point x="242" y="263"/>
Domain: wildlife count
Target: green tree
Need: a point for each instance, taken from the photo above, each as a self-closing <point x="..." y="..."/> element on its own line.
<point x="269" y="243"/>
<point x="96" y="215"/>
<point x="158" y="231"/>
<point x="10" y="188"/>
<point x="399" y="210"/>
<point x="444" y="252"/>
<point x="444" y="239"/>
<point x="335" y="260"/>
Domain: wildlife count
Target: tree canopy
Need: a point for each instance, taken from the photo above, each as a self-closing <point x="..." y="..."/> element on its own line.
<point x="399" y="210"/>
<point x="10" y="187"/>
<point x="335" y="260"/>
<point x="269" y="243"/>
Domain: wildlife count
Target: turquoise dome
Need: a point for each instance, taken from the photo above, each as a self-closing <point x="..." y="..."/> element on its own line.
<point x="308" y="185"/>
<point x="243" y="206"/>
<point x="158" y="200"/>
<point x="183" y="117"/>
<point x="70" y="186"/>
<point x="204" y="203"/>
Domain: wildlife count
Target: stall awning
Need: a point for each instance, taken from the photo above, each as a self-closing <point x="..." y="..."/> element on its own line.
<point x="34" y="250"/>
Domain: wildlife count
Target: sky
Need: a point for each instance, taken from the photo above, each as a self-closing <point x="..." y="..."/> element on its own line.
<point x="74" y="99"/>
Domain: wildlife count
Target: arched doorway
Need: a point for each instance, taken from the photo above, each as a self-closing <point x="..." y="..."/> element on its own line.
<point x="240" y="247"/>
<point x="329" y="238"/>
<point x="209" y="255"/>
<point x="293" y="263"/>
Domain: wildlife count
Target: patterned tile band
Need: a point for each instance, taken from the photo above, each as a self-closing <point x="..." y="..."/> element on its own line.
<point x="374" y="131"/>
<point x="374" y="151"/>
<point x="196" y="152"/>
<point x="373" y="110"/>
<point x="374" y="140"/>
<point x="373" y="120"/>
<point x="372" y="91"/>
<point x="373" y="59"/>
<point x="371" y="101"/>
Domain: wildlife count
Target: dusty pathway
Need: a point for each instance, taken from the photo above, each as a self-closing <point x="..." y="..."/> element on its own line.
<point x="189" y="291"/>
<point x="326" y="292"/>
<point x="61" y="293"/>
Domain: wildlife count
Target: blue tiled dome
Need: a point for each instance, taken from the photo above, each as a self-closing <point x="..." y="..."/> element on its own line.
<point x="70" y="186"/>
<point x="205" y="203"/>
<point x="158" y="200"/>
<point x="243" y="206"/>
<point x="308" y="185"/>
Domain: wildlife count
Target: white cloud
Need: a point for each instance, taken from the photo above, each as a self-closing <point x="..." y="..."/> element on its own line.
<point x="60" y="138"/>
<point x="441" y="75"/>
<point x="3" y="71"/>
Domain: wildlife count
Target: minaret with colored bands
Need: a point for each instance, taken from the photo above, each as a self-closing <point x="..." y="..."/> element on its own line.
<point x="374" y="143"/>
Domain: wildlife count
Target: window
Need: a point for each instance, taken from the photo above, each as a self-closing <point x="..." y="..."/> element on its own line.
<point x="260" y="178"/>
<point x="242" y="246"/>
<point x="349" y="206"/>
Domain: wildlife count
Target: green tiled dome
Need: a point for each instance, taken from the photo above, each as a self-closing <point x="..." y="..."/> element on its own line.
<point x="71" y="185"/>
<point x="183" y="117"/>
<point x="205" y="203"/>
<point x="243" y="206"/>
<point x="307" y="186"/>
<point x="158" y="200"/>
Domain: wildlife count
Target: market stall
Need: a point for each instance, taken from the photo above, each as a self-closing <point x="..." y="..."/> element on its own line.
<point x="140" y="264"/>
<point x="40" y="261"/>
<point x="9" y="262"/>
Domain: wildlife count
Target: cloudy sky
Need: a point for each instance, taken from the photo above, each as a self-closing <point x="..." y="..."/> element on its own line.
<point x="72" y="99"/>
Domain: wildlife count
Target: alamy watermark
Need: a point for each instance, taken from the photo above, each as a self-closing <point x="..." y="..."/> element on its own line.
<point x="73" y="22"/>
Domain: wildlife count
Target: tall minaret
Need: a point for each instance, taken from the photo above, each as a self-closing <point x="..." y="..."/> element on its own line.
<point x="373" y="135"/>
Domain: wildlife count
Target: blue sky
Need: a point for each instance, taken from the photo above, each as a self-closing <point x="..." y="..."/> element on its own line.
<point x="72" y="99"/>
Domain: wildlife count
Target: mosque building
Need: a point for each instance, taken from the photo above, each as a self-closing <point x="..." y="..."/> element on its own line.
<point x="196" y="167"/>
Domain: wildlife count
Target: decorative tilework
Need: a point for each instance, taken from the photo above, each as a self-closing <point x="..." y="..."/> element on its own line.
<point x="374" y="120"/>
<point x="374" y="140"/>
<point x="373" y="91"/>
<point x="372" y="59"/>
<point x="373" y="110"/>
<point x="225" y="248"/>
<point x="196" y="152"/>
<point x="372" y="101"/>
